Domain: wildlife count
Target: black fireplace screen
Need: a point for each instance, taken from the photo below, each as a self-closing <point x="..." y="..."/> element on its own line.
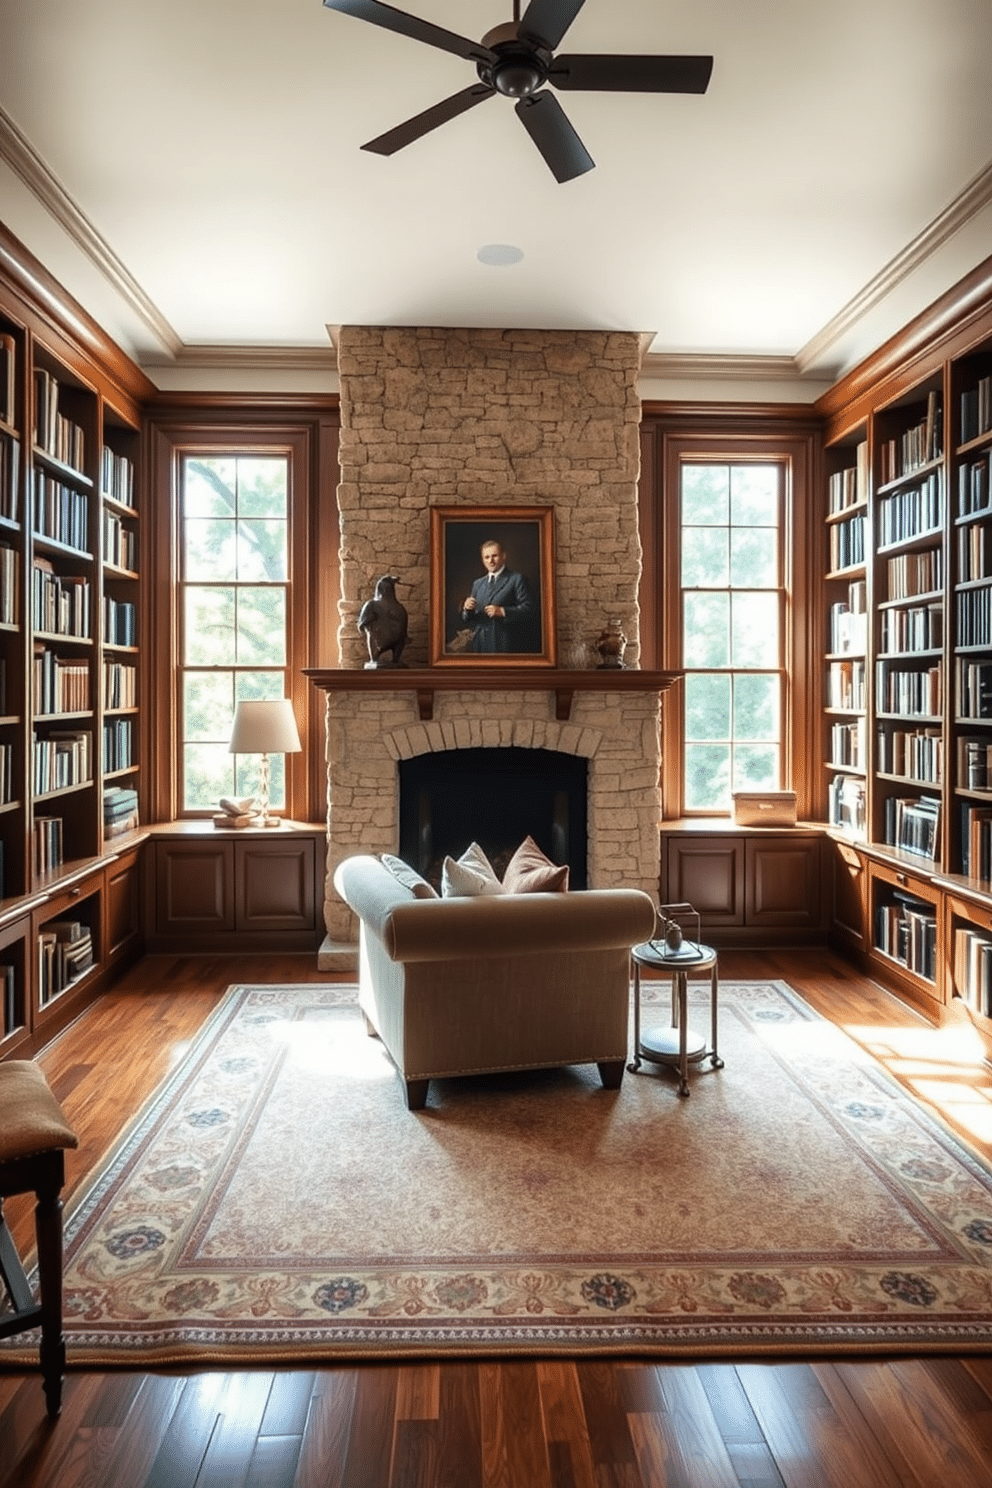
<point x="495" y="797"/>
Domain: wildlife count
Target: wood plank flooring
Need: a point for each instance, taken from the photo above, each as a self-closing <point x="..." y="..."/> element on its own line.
<point x="546" y="1423"/>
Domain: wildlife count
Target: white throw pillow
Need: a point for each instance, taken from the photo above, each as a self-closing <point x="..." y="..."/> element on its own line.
<point x="471" y="876"/>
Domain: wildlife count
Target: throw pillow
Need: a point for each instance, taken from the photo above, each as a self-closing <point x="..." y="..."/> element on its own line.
<point x="471" y="876"/>
<point x="529" y="871"/>
<point x="408" y="877"/>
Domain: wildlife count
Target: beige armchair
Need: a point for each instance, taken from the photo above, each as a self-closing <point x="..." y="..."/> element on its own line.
<point x="514" y="981"/>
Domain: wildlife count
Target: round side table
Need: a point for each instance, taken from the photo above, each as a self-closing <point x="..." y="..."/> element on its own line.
<point x="675" y="1045"/>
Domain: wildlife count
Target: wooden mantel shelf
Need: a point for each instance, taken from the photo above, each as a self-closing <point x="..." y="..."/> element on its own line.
<point x="426" y="681"/>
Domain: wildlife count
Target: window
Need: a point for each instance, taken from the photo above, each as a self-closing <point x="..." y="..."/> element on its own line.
<point x="234" y="582"/>
<point x="732" y="632"/>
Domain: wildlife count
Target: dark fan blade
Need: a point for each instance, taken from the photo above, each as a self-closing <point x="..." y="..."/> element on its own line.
<point x="421" y="124"/>
<point x="632" y="74"/>
<point x="544" y="120"/>
<point x="546" y="21"/>
<point x="407" y="25"/>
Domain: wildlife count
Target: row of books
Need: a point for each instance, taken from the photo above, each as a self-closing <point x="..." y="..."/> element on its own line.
<point x="6" y="778"/>
<point x="54" y="433"/>
<point x="116" y="476"/>
<point x="974" y="679"/>
<point x="61" y="759"/>
<point x="61" y="512"/>
<point x="8" y="379"/>
<point x="847" y="805"/>
<point x="847" y="744"/>
<point x="847" y="543"/>
<point x="849" y="621"/>
<point x="974" y="616"/>
<point x="975" y="764"/>
<point x="46" y="832"/>
<point x="120" y="622"/>
<point x="917" y="446"/>
<point x="976" y="842"/>
<point x="10" y="474"/>
<point x="846" y="685"/>
<point x="973" y="969"/>
<point x="973" y="486"/>
<point x="9" y="571"/>
<point x="60" y="685"/>
<point x="65" y="953"/>
<point x="916" y="754"/>
<point x="117" y="744"/>
<point x="913" y="512"/>
<point x="120" y="810"/>
<point x="60" y="603"/>
<point x="974" y="552"/>
<point x="915" y="628"/>
<point x="849" y="487"/>
<point x="917" y="693"/>
<point x="120" y="542"/>
<point x="976" y="410"/>
<point x="910" y="574"/>
<point x="912" y="823"/>
<point x="11" y="1013"/>
<point x="120" y="685"/>
<point x="906" y="930"/>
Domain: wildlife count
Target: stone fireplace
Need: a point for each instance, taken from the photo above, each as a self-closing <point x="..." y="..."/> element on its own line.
<point x="491" y="418"/>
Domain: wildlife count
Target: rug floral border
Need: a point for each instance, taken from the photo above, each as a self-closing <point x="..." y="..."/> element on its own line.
<point x="645" y="1307"/>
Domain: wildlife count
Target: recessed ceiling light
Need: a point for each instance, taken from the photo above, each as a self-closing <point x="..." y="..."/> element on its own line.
<point x="499" y="255"/>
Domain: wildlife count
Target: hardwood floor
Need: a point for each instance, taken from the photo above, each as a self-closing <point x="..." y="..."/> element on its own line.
<point x="858" y="1422"/>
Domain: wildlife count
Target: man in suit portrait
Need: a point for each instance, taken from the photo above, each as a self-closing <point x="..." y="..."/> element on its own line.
<point x="500" y="610"/>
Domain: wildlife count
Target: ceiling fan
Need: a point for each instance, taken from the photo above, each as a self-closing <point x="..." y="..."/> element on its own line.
<point x="517" y="59"/>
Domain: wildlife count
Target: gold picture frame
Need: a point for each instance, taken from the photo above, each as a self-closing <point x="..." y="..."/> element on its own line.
<point x="519" y="628"/>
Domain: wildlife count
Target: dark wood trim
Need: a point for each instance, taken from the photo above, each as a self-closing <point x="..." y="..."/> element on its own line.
<point x="426" y="681"/>
<point x="731" y="417"/>
<point x="799" y="442"/>
<point x="165" y="406"/>
<point x="308" y="427"/>
<point x="946" y="328"/>
<point x="70" y="331"/>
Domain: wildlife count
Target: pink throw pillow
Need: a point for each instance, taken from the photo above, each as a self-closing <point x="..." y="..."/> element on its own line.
<point x="529" y="871"/>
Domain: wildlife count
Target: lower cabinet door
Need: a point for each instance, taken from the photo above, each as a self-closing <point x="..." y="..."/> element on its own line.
<point x="783" y="882"/>
<point x="194" y="887"/>
<point x="275" y="885"/>
<point x="708" y="873"/>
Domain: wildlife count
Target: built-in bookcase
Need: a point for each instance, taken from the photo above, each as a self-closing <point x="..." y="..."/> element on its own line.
<point x="907" y="789"/>
<point x="70" y="721"/>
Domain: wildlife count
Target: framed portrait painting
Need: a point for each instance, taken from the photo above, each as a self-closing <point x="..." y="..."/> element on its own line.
<point x="492" y="586"/>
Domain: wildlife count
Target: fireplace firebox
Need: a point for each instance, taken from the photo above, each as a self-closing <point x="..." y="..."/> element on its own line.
<point x="495" y="797"/>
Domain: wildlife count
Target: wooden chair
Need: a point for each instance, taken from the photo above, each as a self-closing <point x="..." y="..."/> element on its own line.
<point x="33" y="1139"/>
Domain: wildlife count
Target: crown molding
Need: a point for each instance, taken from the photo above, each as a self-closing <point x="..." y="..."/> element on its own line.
<point x="238" y="358"/>
<point x="723" y="366"/>
<point x="972" y="200"/>
<point x="25" y="162"/>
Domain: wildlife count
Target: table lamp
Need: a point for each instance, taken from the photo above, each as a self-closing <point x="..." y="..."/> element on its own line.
<point x="265" y="726"/>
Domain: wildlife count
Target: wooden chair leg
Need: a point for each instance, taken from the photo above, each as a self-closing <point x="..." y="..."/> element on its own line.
<point x="48" y="1228"/>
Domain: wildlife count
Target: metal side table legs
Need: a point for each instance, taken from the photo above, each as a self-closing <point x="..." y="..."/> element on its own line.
<point x="675" y="1045"/>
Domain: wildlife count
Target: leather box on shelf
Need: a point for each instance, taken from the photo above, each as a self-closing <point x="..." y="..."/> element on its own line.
<point x="765" y="808"/>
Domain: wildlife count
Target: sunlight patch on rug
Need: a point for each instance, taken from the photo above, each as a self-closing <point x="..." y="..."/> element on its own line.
<point x="276" y="1201"/>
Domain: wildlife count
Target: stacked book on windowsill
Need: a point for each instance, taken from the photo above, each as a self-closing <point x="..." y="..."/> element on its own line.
<point x="120" y="810"/>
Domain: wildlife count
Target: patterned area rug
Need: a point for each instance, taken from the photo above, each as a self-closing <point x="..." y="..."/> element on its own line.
<point x="277" y="1202"/>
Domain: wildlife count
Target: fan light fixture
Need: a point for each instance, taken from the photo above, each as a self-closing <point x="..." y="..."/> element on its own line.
<point x="265" y="726"/>
<point x="515" y="60"/>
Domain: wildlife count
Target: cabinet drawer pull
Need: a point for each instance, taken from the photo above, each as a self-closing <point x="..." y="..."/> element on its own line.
<point x="901" y="878"/>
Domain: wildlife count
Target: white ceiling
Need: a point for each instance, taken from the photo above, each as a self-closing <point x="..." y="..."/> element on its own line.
<point x="191" y="171"/>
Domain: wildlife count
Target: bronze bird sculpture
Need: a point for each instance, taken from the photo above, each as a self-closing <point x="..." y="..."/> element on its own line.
<point x="383" y="619"/>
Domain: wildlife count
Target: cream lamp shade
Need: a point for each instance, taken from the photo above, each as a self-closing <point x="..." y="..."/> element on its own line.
<point x="265" y="726"/>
